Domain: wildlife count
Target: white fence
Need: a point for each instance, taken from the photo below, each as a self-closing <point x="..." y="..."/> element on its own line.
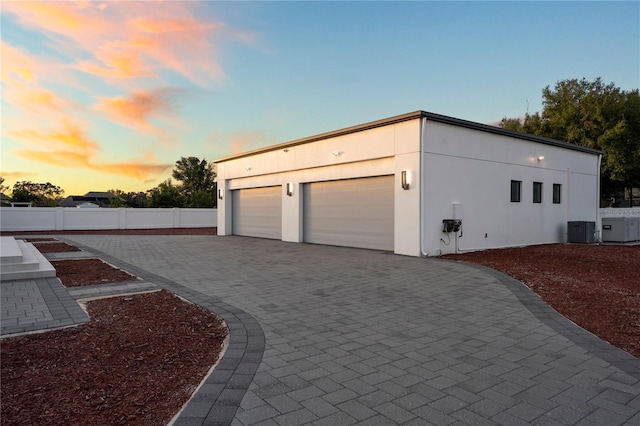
<point x="626" y="212"/>
<point x="71" y="218"/>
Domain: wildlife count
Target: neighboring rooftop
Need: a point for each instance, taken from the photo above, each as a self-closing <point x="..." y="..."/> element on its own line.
<point x="101" y="199"/>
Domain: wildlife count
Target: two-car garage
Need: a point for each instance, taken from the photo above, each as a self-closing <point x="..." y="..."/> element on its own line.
<point x="347" y="212"/>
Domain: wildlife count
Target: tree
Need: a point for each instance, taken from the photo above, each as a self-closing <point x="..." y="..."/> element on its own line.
<point x="166" y="195"/>
<point x="202" y="199"/>
<point x="196" y="175"/>
<point x="595" y="115"/>
<point x="128" y="199"/>
<point x="3" y="187"/>
<point x="40" y="194"/>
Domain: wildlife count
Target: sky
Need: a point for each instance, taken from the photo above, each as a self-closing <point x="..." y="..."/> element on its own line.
<point x="100" y="95"/>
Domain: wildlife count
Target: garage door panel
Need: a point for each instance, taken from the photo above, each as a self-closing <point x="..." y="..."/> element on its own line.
<point x="352" y="213"/>
<point x="257" y="212"/>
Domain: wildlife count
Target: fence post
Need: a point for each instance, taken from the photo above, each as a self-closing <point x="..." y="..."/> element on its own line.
<point x="176" y="217"/>
<point x="122" y="218"/>
<point x="58" y="215"/>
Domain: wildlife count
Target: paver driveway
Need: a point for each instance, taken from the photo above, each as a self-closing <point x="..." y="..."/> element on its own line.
<point x="364" y="337"/>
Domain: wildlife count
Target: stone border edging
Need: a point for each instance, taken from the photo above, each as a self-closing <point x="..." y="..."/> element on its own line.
<point x="218" y="399"/>
<point x="562" y="325"/>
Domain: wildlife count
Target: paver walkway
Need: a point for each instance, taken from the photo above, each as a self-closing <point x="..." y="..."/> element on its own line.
<point x="363" y="337"/>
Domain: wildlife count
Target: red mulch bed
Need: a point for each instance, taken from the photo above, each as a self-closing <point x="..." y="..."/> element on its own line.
<point x="136" y="362"/>
<point x="35" y="240"/>
<point x="84" y="272"/>
<point x="54" y="247"/>
<point x="595" y="286"/>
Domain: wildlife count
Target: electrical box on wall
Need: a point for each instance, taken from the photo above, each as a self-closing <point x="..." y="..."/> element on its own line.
<point x="451" y="225"/>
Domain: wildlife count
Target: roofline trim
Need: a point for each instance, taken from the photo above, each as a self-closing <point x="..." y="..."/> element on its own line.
<point x="411" y="116"/>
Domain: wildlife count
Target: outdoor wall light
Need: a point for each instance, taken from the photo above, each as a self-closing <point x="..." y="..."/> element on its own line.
<point x="337" y="153"/>
<point x="220" y="193"/>
<point x="247" y="168"/>
<point x="406" y="180"/>
<point x="540" y="158"/>
<point x="289" y="189"/>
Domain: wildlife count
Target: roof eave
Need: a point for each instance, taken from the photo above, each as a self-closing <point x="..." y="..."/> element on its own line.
<point x="411" y="116"/>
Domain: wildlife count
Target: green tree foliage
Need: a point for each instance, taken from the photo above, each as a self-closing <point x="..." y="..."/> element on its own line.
<point x="40" y="194"/>
<point x="595" y="115"/>
<point x="128" y="199"/>
<point x="198" y="181"/>
<point x="166" y="195"/>
<point x="3" y="187"/>
<point x="202" y="199"/>
<point x="195" y="175"/>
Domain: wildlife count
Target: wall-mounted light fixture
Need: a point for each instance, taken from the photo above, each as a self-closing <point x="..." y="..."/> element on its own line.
<point x="540" y="158"/>
<point x="406" y="180"/>
<point x="220" y="193"/>
<point x="337" y="153"/>
<point x="289" y="189"/>
<point x="247" y="168"/>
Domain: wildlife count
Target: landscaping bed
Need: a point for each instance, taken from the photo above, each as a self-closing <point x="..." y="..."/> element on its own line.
<point x="137" y="361"/>
<point x="53" y="247"/>
<point x="85" y="272"/>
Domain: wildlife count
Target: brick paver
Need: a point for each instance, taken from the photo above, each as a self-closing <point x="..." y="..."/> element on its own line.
<point x="364" y="337"/>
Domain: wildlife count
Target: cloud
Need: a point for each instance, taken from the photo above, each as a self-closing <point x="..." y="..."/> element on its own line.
<point x="121" y="40"/>
<point x="68" y="137"/>
<point x="16" y="176"/>
<point x="69" y="147"/>
<point x="237" y="142"/>
<point x="93" y="52"/>
<point x="136" y="109"/>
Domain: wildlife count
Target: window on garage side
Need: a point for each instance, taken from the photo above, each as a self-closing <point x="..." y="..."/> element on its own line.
<point x="537" y="192"/>
<point x="516" y="190"/>
<point x="557" y="191"/>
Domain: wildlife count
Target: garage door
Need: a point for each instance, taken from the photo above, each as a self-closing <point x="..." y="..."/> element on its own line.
<point x="257" y="212"/>
<point x="352" y="213"/>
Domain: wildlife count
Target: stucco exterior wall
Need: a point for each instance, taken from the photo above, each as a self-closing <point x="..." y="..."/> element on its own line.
<point x="380" y="151"/>
<point x="471" y="172"/>
<point x="457" y="170"/>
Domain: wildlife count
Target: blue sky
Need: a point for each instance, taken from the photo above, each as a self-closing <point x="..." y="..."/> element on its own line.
<point x="105" y="95"/>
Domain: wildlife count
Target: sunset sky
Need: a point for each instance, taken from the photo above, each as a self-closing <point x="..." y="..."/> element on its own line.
<point x="110" y="94"/>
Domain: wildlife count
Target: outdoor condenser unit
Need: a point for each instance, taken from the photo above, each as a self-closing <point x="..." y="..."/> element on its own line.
<point x="581" y="232"/>
<point x="620" y="229"/>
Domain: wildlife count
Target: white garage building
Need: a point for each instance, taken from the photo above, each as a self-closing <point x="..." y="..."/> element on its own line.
<point x="390" y="184"/>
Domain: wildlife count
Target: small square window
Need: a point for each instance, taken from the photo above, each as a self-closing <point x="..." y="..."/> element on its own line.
<point x="557" y="191"/>
<point x="516" y="189"/>
<point x="537" y="192"/>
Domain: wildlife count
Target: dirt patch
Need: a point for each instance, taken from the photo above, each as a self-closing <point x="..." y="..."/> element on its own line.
<point x="35" y="240"/>
<point x="45" y="247"/>
<point x="84" y="272"/>
<point x="595" y="286"/>
<point x="136" y="362"/>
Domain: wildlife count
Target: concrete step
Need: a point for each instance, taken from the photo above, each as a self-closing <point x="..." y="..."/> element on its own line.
<point x="32" y="264"/>
<point x="9" y="250"/>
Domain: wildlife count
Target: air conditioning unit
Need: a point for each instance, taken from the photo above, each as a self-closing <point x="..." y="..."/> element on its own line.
<point x="620" y="229"/>
<point x="581" y="232"/>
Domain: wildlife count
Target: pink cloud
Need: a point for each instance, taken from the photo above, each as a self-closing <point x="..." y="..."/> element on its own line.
<point x="133" y="39"/>
<point x="69" y="147"/>
<point x="136" y="110"/>
<point x="239" y="141"/>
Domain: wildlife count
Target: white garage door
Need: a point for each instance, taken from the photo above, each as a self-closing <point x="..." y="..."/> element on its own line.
<point x="352" y="212"/>
<point x="257" y="212"/>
